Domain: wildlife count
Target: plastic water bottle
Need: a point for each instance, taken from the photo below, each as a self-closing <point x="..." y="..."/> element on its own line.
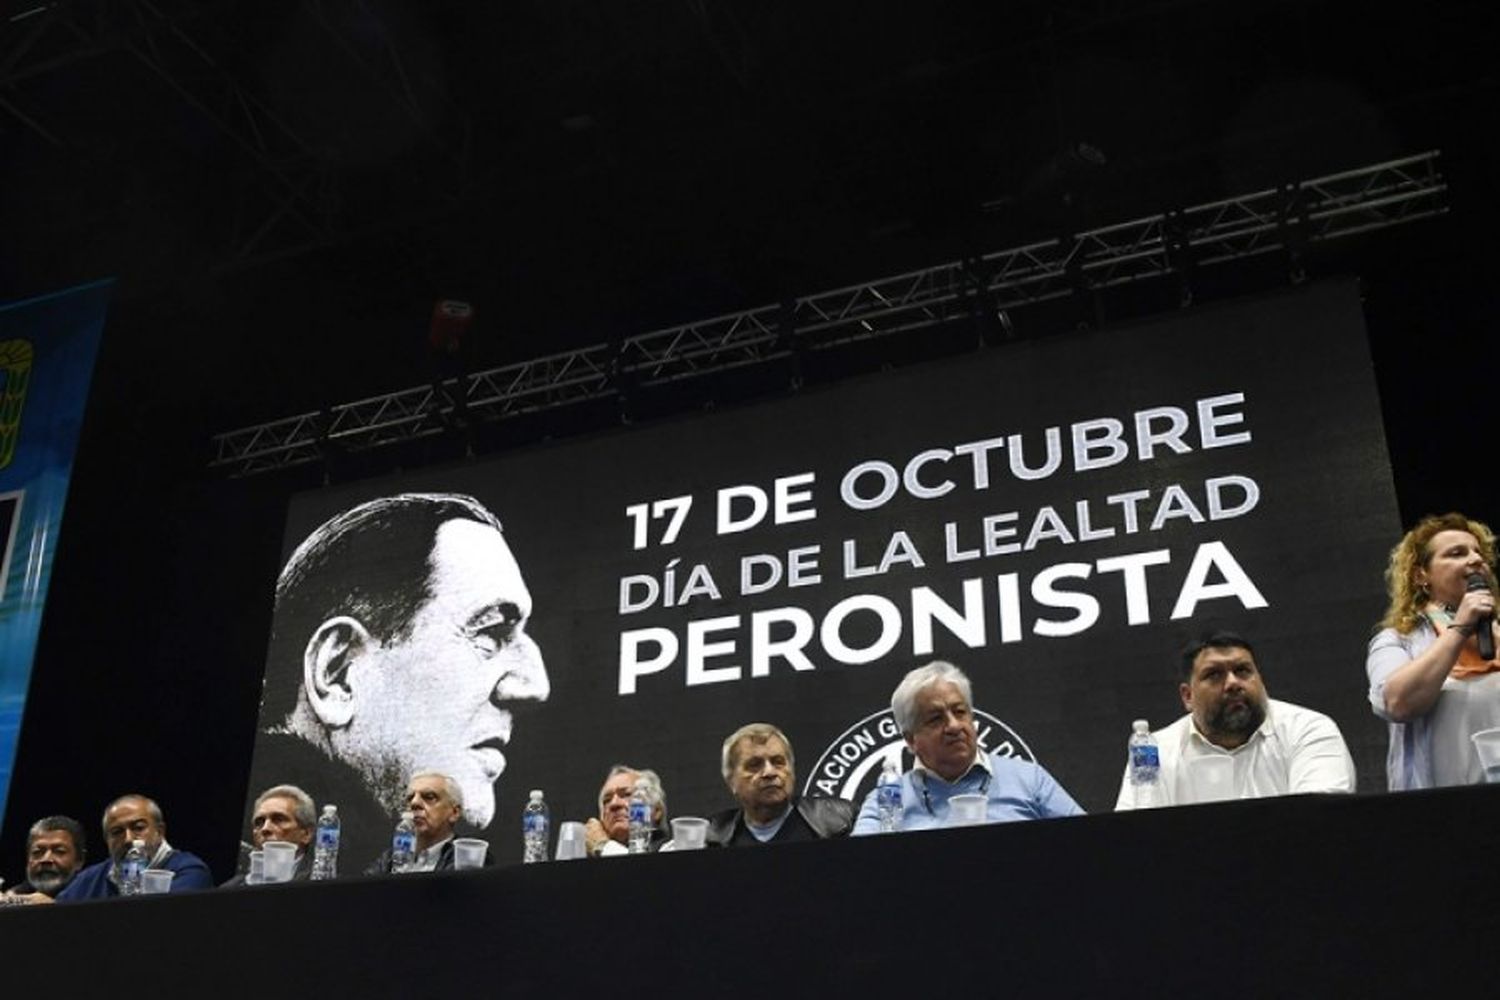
<point x="888" y="797"/>
<point x="403" y="844"/>
<point x="535" y="825"/>
<point x="1145" y="766"/>
<point x="131" y="867"/>
<point x="326" y="845"/>
<point x="640" y="819"/>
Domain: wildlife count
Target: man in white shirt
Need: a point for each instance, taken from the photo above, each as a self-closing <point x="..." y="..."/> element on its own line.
<point x="1235" y="742"/>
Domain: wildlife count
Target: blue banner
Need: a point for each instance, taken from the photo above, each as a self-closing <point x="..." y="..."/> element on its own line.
<point x="47" y="348"/>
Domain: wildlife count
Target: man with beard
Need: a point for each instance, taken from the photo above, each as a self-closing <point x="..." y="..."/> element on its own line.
<point x="933" y="708"/>
<point x="54" y="853"/>
<point x="757" y="764"/>
<point x="1235" y="742"/>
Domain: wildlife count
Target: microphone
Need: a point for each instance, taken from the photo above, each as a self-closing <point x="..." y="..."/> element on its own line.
<point x="1477" y="581"/>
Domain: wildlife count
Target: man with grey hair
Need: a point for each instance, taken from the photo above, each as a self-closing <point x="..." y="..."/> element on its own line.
<point x="283" y="813"/>
<point x="127" y="819"/>
<point x="436" y="804"/>
<point x="933" y="706"/>
<point x="757" y="764"/>
<point x="54" y="853"/>
<point x="609" y="835"/>
<point x="399" y="642"/>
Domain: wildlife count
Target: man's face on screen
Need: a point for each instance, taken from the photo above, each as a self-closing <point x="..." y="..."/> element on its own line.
<point x="441" y="699"/>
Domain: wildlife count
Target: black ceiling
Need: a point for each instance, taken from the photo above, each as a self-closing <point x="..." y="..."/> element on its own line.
<point x="284" y="188"/>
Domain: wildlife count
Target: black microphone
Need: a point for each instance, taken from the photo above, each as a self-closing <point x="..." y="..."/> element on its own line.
<point x="1478" y="581"/>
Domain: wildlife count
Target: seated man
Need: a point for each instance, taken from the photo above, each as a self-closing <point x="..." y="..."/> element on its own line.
<point x="128" y="818"/>
<point x="610" y="834"/>
<point x="436" y="804"/>
<point x="757" y="764"/>
<point x="932" y="706"/>
<point x="285" y="813"/>
<point x="54" y="853"/>
<point x="1259" y="746"/>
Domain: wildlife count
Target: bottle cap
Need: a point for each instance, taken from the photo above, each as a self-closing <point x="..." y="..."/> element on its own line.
<point x="1141" y="726"/>
<point x="330" y="809"/>
<point x="406" y="815"/>
<point x="536" y="795"/>
<point x="138" y="843"/>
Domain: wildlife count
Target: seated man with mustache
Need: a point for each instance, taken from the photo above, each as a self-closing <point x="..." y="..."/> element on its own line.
<point x="55" y="852"/>
<point x="1266" y="747"/>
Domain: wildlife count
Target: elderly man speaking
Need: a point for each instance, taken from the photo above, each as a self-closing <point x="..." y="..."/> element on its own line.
<point x="933" y="708"/>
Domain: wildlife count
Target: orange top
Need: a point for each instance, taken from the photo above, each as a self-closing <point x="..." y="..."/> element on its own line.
<point x="1469" y="663"/>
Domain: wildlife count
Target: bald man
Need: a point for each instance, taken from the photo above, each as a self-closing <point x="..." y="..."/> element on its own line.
<point x="129" y="818"/>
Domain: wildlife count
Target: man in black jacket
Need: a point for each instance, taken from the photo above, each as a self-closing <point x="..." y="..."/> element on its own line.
<point x="759" y="770"/>
<point x="283" y="812"/>
<point x="436" y="803"/>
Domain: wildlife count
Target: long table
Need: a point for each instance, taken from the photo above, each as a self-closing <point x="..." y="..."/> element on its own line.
<point x="1390" y="895"/>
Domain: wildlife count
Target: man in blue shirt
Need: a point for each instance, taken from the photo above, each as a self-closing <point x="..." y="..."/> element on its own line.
<point x="129" y="818"/>
<point x="933" y="707"/>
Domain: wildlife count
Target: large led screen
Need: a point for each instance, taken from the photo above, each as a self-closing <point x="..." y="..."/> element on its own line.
<point x="1055" y="516"/>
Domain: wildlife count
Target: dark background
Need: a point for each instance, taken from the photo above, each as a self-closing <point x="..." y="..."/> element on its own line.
<point x="582" y="172"/>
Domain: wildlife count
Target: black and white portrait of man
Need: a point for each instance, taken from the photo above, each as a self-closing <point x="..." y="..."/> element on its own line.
<point x="398" y="645"/>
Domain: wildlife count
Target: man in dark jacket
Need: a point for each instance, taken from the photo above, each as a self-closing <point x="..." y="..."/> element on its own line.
<point x="283" y="812"/>
<point x="758" y="768"/>
<point x="436" y="804"/>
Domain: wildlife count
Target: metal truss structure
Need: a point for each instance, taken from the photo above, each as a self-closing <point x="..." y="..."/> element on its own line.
<point x="1289" y="219"/>
<point x="293" y="200"/>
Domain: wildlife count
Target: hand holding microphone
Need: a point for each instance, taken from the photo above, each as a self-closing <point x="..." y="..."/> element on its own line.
<point x="1479" y="583"/>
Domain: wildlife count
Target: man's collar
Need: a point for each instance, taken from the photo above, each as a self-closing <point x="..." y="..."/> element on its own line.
<point x="981" y="761"/>
<point x="435" y="850"/>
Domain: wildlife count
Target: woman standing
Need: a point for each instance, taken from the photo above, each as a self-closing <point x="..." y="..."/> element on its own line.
<point x="1427" y="677"/>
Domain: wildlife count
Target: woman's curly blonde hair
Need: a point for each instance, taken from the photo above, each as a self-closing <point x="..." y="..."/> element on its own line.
<point x="1408" y="598"/>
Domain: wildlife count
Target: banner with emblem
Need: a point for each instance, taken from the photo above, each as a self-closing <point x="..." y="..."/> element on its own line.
<point x="47" y="348"/>
<point x="1054" y="516"/>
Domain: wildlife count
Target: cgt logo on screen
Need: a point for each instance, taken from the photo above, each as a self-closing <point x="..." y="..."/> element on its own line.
<point x="851" y="764"/>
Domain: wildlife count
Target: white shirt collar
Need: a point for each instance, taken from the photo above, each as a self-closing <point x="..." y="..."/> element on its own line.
<point x="1264" y="731"/>
<point x="427" y="860"/>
